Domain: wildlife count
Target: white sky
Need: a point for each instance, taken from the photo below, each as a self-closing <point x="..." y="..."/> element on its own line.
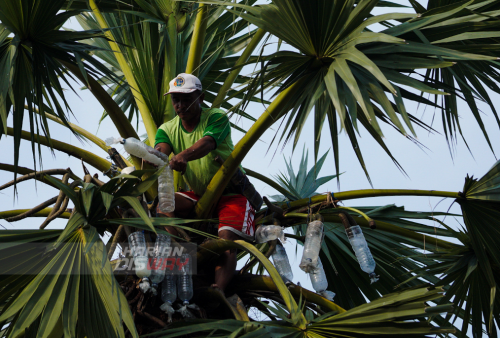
<point x="434" y="169"/>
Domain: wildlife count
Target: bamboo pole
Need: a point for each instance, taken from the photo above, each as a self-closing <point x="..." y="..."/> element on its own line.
<point x="197" y="41"/>
<point x="127" y="72"/>
<point x="226" y="86"/>
<point x="86" y="156"/>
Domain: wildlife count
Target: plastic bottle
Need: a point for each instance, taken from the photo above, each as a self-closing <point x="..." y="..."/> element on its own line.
<point x="169" y="293"/>
<point x="137" y="243"/>
<point x="312" y="246"/>
<point x="318" y="278"/>
<point x="160" y="254"/>
<point x="328" y="295"/>
<point x="185" y="286"/>
<point x="281" y="263"/>
<point x="166" y="192"/>
<point x="266" y="233"/>
<point x="363" y="254"/>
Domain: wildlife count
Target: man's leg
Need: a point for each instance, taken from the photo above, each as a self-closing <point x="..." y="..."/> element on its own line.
<point x="226" y="265"/>
<point x="235" y="214"/>
<point x="183" y="206"/>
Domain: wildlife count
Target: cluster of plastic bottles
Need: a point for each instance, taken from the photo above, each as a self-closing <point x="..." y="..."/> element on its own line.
<point x="173" y="285"/>
<point x="363" y="254"/>
<point x="166" y="192"/>
<point x="181" y="286"/>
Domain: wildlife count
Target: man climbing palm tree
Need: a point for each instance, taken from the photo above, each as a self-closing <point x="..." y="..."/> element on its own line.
<point x="197" y="136"/>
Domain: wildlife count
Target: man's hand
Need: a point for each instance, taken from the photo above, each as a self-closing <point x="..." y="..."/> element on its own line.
<point x="179" y="163"/>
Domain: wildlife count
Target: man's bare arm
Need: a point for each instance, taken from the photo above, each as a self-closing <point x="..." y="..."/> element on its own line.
<point x="164" y="148"/>
<point x="198" y="150"/>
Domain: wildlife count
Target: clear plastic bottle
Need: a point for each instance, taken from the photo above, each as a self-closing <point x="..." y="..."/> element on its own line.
<point x="138" y="248"/>
<point x="160" y="254"/>
<point x="312" y="246"/>
<point x="166" y="191"/>
<point x="169" y="293"/>
<point x="185" y="287"/>
<point x="185" y="280"/>
<point x="266" y="233"/>
<point x="137" y="148"/>
<point x="281" y="263"/>
<point x="318" y="278"/>
<point x="363" y="254"/>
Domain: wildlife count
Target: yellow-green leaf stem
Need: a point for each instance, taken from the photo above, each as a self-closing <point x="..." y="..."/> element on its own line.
<point x="127" y="72"/>
<point x="223" y="175"/>
<point x="359" y="212"/>
<point x="226" y="86"/>
<point x="251" y="282"/>
<point x="198" y="40"/>
<point x="86" y="156"/>
<point x="354" y="194"/>
<point x="114" y="111"/>
<point x="384" y="226"/>
<point x="42" y="213"/>
<point x="88" y="135"/>
<point x="169" y="71"/>
<point x="297" y="316"/>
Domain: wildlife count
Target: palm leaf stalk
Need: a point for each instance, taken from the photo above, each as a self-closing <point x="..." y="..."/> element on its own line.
<point x="197" y="41"/>
<point x="86" y="156"/>
<point x="125" y="68"/>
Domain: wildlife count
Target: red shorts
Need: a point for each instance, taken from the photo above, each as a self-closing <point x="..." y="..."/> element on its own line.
<point x="234" y="212"/>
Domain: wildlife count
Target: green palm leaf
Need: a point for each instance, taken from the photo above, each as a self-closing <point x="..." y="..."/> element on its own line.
<point x="33" y="50"/>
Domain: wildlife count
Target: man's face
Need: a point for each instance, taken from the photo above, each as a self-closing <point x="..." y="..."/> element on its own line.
<point x="187" y="106"/>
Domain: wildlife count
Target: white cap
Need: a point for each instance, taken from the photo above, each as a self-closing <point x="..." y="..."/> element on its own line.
<point x="184" y="83"/>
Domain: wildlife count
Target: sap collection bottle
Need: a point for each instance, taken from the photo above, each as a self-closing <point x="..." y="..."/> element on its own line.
<point x="266" y="233"/>
<point x="166" y="192"/>
<point x="160" y="255"/>
<point x="137" y="243"/>
<point x="363" y="254"/>
<point x="281" y="263"/>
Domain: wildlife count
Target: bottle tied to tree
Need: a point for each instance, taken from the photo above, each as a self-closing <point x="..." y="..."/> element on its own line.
<point x="318" y="278"/>
<point x="185" y="286"/>
<point x="281" y="263"/>
<point x="169" y="293"/>
<point x="312" y="246"/>
<point x="160" y="255"/>
<point x="166" y="189"/>
<point x="266" y="233"/>
<point x="137" y="243"/>
<point x="362" y="252"/>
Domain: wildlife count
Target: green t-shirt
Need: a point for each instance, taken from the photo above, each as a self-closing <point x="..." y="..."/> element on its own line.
<point x="214" y="123"/>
